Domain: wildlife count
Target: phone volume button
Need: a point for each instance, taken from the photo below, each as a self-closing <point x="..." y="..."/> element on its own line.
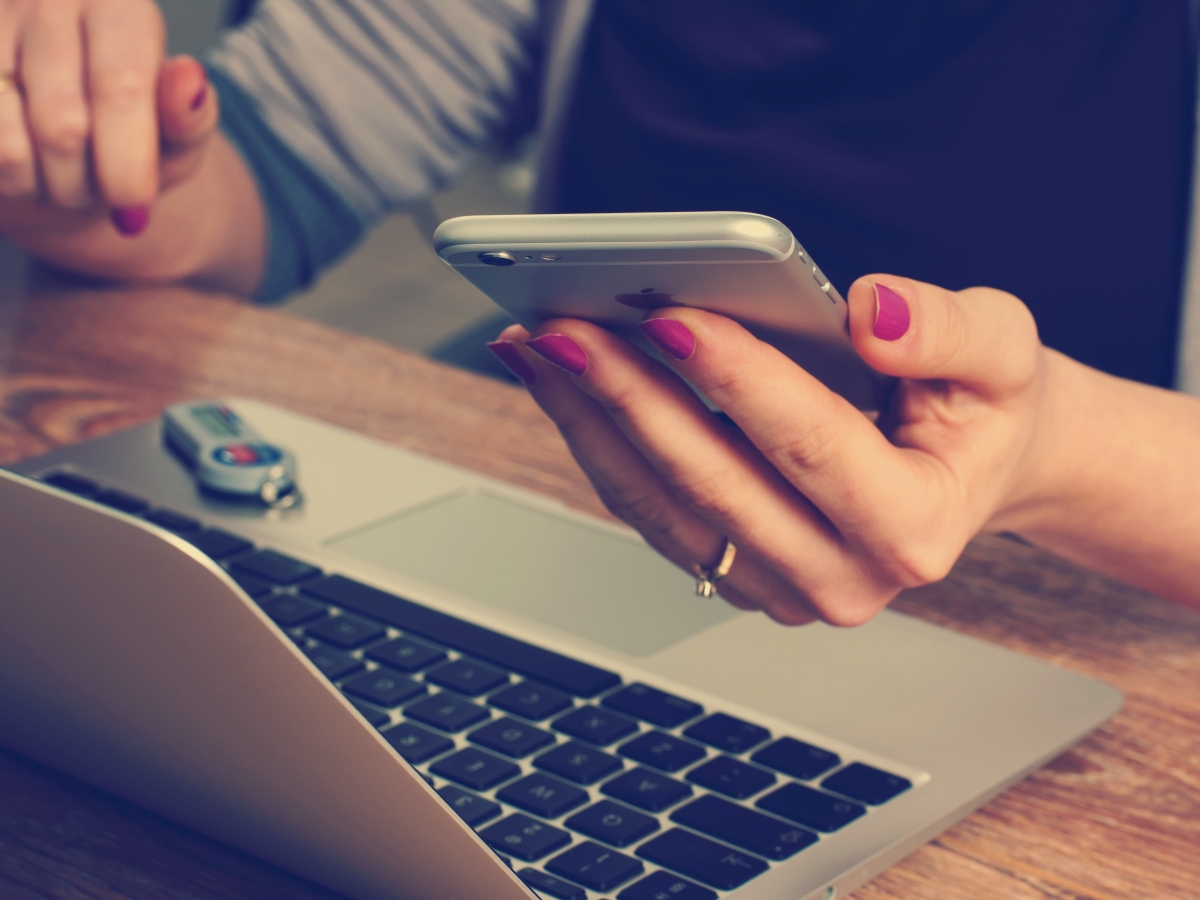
<point x="820" y="279"/>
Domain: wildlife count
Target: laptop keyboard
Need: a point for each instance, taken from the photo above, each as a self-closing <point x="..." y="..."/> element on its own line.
<point x="588" y="786"/>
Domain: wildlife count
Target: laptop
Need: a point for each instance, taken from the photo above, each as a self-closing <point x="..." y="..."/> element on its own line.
<point x="425" y="683"/>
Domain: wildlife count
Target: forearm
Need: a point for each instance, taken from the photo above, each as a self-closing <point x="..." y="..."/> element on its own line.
<point x="1121" y="490"/>
<point x="209" y="229"/>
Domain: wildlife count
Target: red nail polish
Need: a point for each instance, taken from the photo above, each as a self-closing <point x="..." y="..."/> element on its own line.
<point x="507" y="353"/>
<point x="131" y="220"/>
<point x="672" y="336"/>
<point x="198" y="100"/>
<point x="891" y="314"/>
<point x="562" y="351"/>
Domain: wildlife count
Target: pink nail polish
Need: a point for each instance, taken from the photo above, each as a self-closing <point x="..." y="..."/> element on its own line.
<point x="131" y="220"/>
<point x="672" y="336"/>
<point x="891" y="314"/>
<point x="562" y="351"/>
<point x="198" y="100"/>
<point x="507" y="353"/>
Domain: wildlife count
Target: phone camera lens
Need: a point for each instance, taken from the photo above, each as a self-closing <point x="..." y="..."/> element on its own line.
<point x="497" y="259"/>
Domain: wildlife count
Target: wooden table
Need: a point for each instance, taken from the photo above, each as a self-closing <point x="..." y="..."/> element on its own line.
<point x="1116" y="818"/>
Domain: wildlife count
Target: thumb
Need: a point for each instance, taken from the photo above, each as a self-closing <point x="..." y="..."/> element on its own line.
<point x="187" y="105"/>
<point x="980" y="337"/>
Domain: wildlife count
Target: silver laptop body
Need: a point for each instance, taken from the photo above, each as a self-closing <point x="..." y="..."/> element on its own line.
<point x="133" y="661"/>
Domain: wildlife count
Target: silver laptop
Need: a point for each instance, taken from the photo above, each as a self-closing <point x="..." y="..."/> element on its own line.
<point x="423" y="683"/>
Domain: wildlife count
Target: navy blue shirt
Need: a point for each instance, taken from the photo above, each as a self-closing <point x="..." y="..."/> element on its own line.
<point x="1038" y="146"/>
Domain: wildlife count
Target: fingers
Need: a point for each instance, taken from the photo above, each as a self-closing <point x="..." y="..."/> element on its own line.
<point x="188" y="113"/>
<point x="870" y="490"/>
<point x="633" y="491"/>
<point x="124" y="52"/>
<point x="18" y="174"/>
<point x="981" y="338"/>
<point x="58" y="116"/>
<point x="714" y="471"/>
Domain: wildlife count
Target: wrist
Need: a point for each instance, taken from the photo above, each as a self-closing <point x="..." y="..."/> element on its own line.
<point x="1049" y="487"/>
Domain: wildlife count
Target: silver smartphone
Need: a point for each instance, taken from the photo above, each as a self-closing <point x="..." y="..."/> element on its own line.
<point x="611" y="268"/>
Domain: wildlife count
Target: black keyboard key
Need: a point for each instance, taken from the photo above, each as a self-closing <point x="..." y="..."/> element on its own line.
<point x="406" y="654"/>
<point x="256" y="588"/>
<point x="542" y="665"/>
<point x="333" y="664"/>
<point x="276" y="567"/>
<point x="663" y="751"/>
<point x="217" y="544"/>
<point x="510" y="737"/>
<point x="467" y="677"/>
<point x="665" y="886"/>
<point x="549" y="886"/>
<point x="727" y="733"/>
<point x="542" y="795"/>
<point x="531" y="701"/>
<point x="731" y="777"/>
<point x="119" y="500"/>
<point x="384" y="688"/>
<point x="578" y="762"/>
<point x="867" y="784"/>
<point x="745" y="828"/>
<point x="289" y="610"/>
<point x="346" y="632"/>
<point x="447" y="712"/>
<point x="646" y="790"/>
<point x="375" y="717"/>
<point x="796" y="758"/>
<point x="596" y="868"/>
<point x="476" y="769"/>
<point x="525" y="838"/>
<point x="72" y="483"/>
<point x="653" y="706"/>
<point x="596" y="726"/>
<point x="416" y="744"/>
<point x="172" y="521"/>
<point x="472" y="809"/>
<point x="810" y="808"/>
<point x="613" y="823"/>
<point x="707" y="861"/>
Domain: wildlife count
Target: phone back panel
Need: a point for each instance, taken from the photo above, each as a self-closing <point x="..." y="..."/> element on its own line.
<point x="614" y="268"/>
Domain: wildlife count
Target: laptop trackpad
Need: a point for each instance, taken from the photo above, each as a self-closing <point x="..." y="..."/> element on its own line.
<point x="586" y="581"/>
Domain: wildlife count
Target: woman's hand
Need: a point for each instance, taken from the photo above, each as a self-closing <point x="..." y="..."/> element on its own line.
<point x="831" y="514"/>
<point x="94" y="125"/>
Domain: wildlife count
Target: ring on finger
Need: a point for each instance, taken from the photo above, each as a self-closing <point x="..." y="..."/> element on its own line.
<point x="706" y="578"/>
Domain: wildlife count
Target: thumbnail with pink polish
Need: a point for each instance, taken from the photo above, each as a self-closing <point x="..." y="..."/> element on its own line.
<point x="891" y="314"/>
<point x="507" y="353"/>
<point x="674" y="337"/>
<point x="560" y="350"/>
<point x="131" y="220"/>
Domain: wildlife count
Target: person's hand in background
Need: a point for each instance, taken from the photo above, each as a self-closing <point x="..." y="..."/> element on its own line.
<point x="832" y="515"/>
<point x="97" y="129"/>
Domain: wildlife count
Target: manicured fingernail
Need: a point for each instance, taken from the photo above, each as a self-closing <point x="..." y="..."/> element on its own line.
<point x="201" y="96"/>
<point x="891" y="314"/>
<point x="507" y="353"/>
<point x="131" y="220"/>
<point x="560" y="350"/>
<point x="672" y="336"/>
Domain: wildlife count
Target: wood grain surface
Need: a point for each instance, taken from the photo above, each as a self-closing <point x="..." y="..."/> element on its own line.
<point x="1117" y="817"/>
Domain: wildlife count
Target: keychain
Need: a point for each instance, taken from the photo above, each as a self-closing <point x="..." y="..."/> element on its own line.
<point x="227" y="456"/>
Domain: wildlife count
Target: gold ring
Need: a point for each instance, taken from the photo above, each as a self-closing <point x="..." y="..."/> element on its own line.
<point x="8" y="82"/>
<point x="706" y="579"/>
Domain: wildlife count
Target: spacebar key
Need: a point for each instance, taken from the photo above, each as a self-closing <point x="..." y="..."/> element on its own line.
<point x="550" y="668"/>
